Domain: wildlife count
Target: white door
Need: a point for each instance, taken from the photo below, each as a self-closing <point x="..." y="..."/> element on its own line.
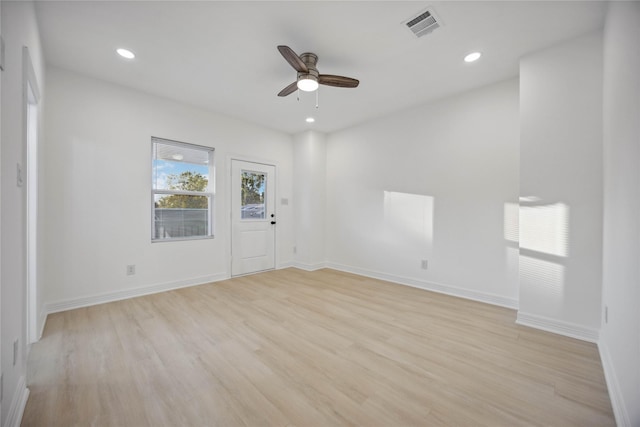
<point x="253" y="220"/>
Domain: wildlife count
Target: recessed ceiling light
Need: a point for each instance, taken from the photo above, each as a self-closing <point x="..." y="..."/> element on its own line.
<point x="310" y="120"/>
<point x="125" y="53"/>
<point x="474" y="56"/>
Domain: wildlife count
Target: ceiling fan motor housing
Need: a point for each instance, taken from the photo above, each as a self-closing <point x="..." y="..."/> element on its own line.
<point x="310" y="60"/>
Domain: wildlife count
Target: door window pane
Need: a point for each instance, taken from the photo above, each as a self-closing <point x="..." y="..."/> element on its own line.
<point x="252" y="197"/>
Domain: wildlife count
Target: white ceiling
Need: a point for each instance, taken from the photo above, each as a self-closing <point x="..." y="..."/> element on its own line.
<point x="222" y="56"/>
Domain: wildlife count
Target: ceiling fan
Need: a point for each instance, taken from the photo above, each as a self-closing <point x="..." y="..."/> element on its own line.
<point x="308" y="75"/>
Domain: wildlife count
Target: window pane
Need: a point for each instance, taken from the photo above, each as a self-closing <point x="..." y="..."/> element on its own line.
<point x="177" y="167"/>
<point x="178" y="215"/>
<point x="253" y="185"/>
<point x="180" y="176"/>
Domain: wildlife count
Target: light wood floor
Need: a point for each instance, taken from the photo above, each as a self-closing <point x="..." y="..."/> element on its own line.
<point x="293" y="348"/>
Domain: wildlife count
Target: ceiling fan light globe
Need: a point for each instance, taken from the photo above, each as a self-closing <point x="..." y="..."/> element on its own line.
<point x="307" y="84"/>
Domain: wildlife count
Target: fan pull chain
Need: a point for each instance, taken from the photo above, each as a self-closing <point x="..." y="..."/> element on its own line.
<point x="298" y="94"/>
<point x="317" y="96"/>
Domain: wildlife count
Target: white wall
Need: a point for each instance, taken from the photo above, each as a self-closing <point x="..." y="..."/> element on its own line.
<point x="438" y="182"/>
<point x="620" y="336"/>
<point x="2" y="337"/>
<point x="561" y="179"/>
<point x="98" y="190"/>
<point x="19" y="29"/>
<point x="309" y="186"/>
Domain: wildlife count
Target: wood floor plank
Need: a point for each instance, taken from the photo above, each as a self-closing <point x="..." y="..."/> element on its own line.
<point x="296" y="348"/>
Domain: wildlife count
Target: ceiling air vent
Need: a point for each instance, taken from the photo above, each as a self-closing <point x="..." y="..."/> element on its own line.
<point x="423" y="24"/>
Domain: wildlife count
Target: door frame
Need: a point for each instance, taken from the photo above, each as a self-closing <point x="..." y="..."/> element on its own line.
<point x="31" y="147"/>
<point x="229" y="203"/>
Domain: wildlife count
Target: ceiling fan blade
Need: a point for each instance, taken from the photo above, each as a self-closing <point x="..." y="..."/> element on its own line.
<point x="338" y="81"/>
<point x="289" y="89"/>
<point x="293" y="59"/>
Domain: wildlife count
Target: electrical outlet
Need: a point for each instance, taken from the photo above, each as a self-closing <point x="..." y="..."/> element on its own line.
<point x="131" y="269"/>
<point x="15" y="351"/>
<point x="424" y="264"/>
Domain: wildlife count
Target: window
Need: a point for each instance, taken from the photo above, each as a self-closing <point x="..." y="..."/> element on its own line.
<point x="182" y="190"/>
<point x="252" y="198"/>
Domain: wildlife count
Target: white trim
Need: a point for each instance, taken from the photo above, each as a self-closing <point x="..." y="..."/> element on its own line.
<point x="615" y="394"/>
<point x="70" y="304"/>
<point x="30" y="127"/>
<point x="16" y="410"/>
<point x="484" y="297"/>
<point x="43" y="322"/>
<point x="308" y="267"/>
<point x="284" y="265"/>
<point x="29" y="74"/>
<point x="559" y="327"/>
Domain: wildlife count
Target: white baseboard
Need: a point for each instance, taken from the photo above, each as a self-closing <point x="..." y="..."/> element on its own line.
<point x="16" y="410"/>
<point x="615" y="394"/>
<point x="284" y="265"/>
<point x="43" y="322"/>
<point x="70" y="304"/>
<point x="559" y="327"/>
<point x="430" y="286"/>
<point x="308" y="267"/>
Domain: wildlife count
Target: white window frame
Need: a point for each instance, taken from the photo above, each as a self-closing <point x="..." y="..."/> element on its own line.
<point x="210" y="193"/>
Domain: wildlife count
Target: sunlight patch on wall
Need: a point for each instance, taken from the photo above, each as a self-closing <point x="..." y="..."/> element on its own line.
<point x="409" y="214"/>
<point x="542" y="277"/>
<point x="545" y="228"/>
